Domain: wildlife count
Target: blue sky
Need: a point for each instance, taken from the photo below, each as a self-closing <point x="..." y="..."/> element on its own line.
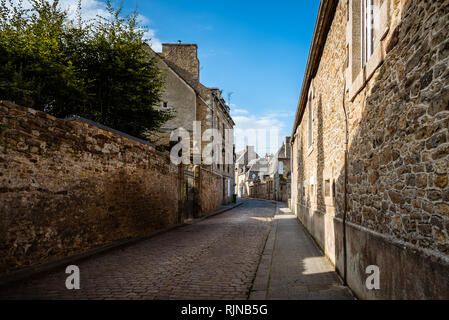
<point x="256" y="49"/>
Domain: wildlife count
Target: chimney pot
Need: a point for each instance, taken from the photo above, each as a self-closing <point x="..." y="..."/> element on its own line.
<point x="184" y="56"/>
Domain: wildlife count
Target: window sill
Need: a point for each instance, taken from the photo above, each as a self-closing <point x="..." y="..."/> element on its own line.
<point x="374" y="62"/>
<point x="309" y="151"/>
<point x="360" y="82"/>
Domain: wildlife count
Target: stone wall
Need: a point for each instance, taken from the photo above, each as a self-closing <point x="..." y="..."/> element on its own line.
<point x="67" y="187"/>
<point x="183" y="55"/>
<point x="261" y="190"/>
<point x="398" y="192"/>
<point x="180" y="98"/>
<point x="211" y="192"/>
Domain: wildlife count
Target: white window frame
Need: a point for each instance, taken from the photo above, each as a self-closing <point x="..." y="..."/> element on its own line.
<point x="310" y="122"/>
<point x="281" y="168"/>
<point x="367" y="32"/>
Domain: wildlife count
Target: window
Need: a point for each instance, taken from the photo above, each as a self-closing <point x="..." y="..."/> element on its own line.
<point x="333" y="189"/>
<point x="367" y="25"/>
<point x="347" y="56"/>
<point x="281" y="168"/>
<point x="327" y="188"/>
<point x="165" y="105"/>
<point x="310" y="121"/>
<point x="347" y="10"/>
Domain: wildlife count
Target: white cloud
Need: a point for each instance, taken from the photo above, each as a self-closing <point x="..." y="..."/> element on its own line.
<point x="155" y="43"/>
<point x="90" y="9"/>
<point x="265" y="132"/>
<point x="239" y="111"/>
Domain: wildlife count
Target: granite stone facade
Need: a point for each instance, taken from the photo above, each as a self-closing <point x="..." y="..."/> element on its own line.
<point x="190" y="101"/>
<point x="392" y="117"/>
<point x="68" y="186"/>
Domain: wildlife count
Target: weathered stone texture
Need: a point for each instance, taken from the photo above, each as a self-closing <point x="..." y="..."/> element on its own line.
<point x="408" y="115"/>
<point x="398" y="128"/>
<point x="67" y="187"/>
<point x="211" y="195"/>
<point x="261" y="190"/>
<point x="180" y="99"/>
<point x="185" y="56"/>
<point x="398" y="124"/>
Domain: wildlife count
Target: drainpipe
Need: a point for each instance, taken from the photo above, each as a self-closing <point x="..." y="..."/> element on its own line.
<point x="213" y="127"/>
<point x="291" y="175"/>
<point x="345" y="212"/>
<point x="212" y="108"/>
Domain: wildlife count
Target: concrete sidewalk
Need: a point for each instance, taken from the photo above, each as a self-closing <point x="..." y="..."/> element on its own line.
<point x="293" y="267"/>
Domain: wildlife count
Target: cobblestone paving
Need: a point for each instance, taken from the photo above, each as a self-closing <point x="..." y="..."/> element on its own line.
<point x="214" y="259"/>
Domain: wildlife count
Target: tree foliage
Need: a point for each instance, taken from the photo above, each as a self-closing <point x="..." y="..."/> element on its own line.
<point x="99" y="69"/>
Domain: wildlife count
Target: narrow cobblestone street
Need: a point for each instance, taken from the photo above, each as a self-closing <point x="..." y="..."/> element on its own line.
<point x="214" y="259"/>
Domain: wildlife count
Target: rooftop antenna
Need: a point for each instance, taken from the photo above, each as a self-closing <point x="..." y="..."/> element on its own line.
<point x="229" y="98"/>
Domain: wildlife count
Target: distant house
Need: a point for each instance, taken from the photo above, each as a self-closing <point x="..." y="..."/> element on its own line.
<point x="190" y="101"/>
<point x="242" y="165"/>
<point x="267" y="177"/>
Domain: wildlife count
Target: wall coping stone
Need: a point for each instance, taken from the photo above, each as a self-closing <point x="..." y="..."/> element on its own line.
<point x="103" y="127"/>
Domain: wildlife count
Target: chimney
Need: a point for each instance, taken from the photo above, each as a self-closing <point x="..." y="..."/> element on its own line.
<point x="184" y="56"/>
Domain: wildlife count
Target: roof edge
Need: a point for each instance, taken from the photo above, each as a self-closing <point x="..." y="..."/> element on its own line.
<point x="323" y="22"/>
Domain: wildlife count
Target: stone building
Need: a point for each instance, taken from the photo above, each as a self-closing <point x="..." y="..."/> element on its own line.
<point x="371" y="146"/>
<point x="264" y="178"/>
<point x="280" y="171"/>
<point x="258" y="180"/>
<point x="74" y="185"/>
<point x="191" y="101"/>
<point x="270" y="177"/>
<point x="243" y="159"/>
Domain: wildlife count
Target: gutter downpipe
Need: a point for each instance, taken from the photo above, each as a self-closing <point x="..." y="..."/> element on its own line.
<point x="213" y="128"/>
<point x="213" y="119"/>
<point x="345" y="213"/>
<point x="291" y="175"/>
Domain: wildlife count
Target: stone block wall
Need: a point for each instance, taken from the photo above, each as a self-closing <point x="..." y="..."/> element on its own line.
<point x="183" y="55"/>
<point x="67" y="187"/>
<point x="398" y="156"/>
<point x="180" y="98"/>
<point x="261" y="190"/>
<point x="211" y="192"/>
